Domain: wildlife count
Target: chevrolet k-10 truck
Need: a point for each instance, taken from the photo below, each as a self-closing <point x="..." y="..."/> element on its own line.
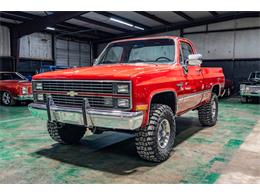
<point x="135" y="85"/>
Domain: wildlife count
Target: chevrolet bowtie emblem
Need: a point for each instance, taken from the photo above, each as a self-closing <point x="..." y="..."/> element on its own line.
<point x="72" y="93"/>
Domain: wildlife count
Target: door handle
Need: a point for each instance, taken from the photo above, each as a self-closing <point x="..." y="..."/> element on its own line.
<point x="180" y="84"/>
<point x="198" y="70"/>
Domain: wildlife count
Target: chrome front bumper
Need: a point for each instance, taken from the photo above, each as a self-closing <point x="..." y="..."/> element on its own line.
<point x="88" y="117"/>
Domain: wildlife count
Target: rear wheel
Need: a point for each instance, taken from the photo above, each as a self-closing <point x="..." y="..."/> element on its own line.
<point x="244" y="99"/>
<point x="65" y="133"/>
<point x="7" y="99"/>
<point x="155" y="142"/>
<point x="208" y="113"/>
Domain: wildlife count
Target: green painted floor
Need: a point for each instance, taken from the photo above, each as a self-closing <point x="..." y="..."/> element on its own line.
<point x="28" y="155"/>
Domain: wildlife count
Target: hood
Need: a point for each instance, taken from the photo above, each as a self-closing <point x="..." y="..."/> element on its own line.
<point x="21" y="82"/>
<point x="105" y="72"/>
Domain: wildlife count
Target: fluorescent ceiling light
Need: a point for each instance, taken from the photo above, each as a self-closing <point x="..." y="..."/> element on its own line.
<point x="121" y="22"/>
<point x="140" y="28"/>
<point x="50" y="28"/>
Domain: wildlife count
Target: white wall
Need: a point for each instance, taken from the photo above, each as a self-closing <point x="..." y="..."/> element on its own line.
<point x="222" y="45"/>
<point x="5" y="48"/>
<point x="230" y="44"/>
<point x="36" y="46"/>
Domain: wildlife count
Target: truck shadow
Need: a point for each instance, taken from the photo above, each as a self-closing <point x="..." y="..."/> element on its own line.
<point x="113" y="153"/>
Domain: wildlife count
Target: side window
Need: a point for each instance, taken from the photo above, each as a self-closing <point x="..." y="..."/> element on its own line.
<point x="185" y="52"/>
<point x="7" y="76"/>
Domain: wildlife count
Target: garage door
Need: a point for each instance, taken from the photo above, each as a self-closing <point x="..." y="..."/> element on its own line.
<point x="72" y="53"/>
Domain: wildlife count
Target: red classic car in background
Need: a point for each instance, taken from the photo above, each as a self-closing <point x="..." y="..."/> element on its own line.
<point x="229" y="88"/>
<point x="14" y="87"/>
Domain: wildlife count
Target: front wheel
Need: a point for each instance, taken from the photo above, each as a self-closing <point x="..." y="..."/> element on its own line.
<point x="208" y="113"/>
<point x="155" y="142"/>
<point x="7" y="99"/>
<point x="65" y="133"/>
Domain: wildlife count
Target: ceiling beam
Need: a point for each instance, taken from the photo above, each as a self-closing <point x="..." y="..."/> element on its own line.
<point x="153" y="17"/>
<point x="81" y="28"/>
<point x="213" y="13"/>
<point x="110" y="15"/>
<point x="102" y="24"/>
<point x="23" y="14"/>
<point x="186" y="24"/>
<point x="185" y="16"/>
<point x="40" y="24"/>
<point x="13" y="17"/>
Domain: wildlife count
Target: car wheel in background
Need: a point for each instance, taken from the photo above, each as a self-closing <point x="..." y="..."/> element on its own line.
<point x="7" y="99"/>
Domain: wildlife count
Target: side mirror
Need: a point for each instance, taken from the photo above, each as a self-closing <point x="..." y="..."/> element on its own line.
<point x="95" y="61"/>
<point x="194" y="60"/>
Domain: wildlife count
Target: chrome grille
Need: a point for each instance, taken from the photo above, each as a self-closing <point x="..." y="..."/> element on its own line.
<point x="254" y="89"/>
<point x="94" y="101"/>
<point x="79" y="86"/>
<point x="100" y="94"/>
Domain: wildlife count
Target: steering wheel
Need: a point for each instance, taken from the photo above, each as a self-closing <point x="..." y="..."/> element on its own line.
<point x="162" y="57"/>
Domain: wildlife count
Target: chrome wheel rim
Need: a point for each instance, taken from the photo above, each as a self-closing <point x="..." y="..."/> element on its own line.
<point x="6" y="98"/>
<point x="214" y="109"/>
<point x="164" y="133"/>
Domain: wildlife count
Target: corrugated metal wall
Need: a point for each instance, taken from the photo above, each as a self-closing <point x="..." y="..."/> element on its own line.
<point x="72" y="53"/>
<point x="234" y="44"/>
<point x="5" y="48"/>
<point x="36" y="46"/>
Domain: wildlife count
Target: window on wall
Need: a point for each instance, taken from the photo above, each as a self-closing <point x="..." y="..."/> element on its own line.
<point x="72" y="53"/>
<point x="186" y="50"/>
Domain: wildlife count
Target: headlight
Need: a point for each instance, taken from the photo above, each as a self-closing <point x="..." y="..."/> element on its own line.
<point x="38" y="86"/>
<point x="123" y="103"/>
<point x="40" y="97"/>
<point x="24" y="90"/>
<point x="247" y="88"/>
<point x="122" y="88"/>
<point x="242" y="87"/>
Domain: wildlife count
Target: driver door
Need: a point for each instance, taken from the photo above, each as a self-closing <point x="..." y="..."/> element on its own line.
<point x="193" y="87"/>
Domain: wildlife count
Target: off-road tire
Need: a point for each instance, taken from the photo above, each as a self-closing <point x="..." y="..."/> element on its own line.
<point x="11" y="102"/>
<point x="65" y="133"/>
<point x="205" y="112"/>
<point x="244" y="99"/>
<point x="146" y="140"/>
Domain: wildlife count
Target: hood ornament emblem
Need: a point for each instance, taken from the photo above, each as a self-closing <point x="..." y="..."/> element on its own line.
<point x="72" y="93"/>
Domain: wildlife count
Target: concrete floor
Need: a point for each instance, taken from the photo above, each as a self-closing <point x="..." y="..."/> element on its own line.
<point x="201" y="155"/>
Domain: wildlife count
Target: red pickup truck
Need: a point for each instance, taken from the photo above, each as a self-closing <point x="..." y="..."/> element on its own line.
<point x="14" y="87"/>
<point x="137" y="86"/>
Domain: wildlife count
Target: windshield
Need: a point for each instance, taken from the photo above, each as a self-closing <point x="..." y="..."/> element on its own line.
<point x="12" y="76"/>
<point x="255" y="75"/>
<point x="138" y="51"/>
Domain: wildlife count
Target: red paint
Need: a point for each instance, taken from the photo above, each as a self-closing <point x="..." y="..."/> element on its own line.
<point x="150" y="79"/>
<point x="14" y="87"/>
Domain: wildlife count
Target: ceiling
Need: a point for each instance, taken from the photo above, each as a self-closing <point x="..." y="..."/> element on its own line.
<point x="103" y="25"/>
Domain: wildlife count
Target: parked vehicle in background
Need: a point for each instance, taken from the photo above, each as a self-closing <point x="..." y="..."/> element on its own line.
<point x="14" y="87"/>
<point x="250" y="89"/>
<point x="228" y="88"/>
<point x="137" y="86"/>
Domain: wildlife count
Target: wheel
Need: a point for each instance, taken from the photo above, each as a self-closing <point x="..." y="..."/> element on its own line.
<point x="155" y="142"/>
<point x="208" y="113"/>
<point x="244" y="99"/>
<point x="65" y="133"/>
<point x="7" y="99"/>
